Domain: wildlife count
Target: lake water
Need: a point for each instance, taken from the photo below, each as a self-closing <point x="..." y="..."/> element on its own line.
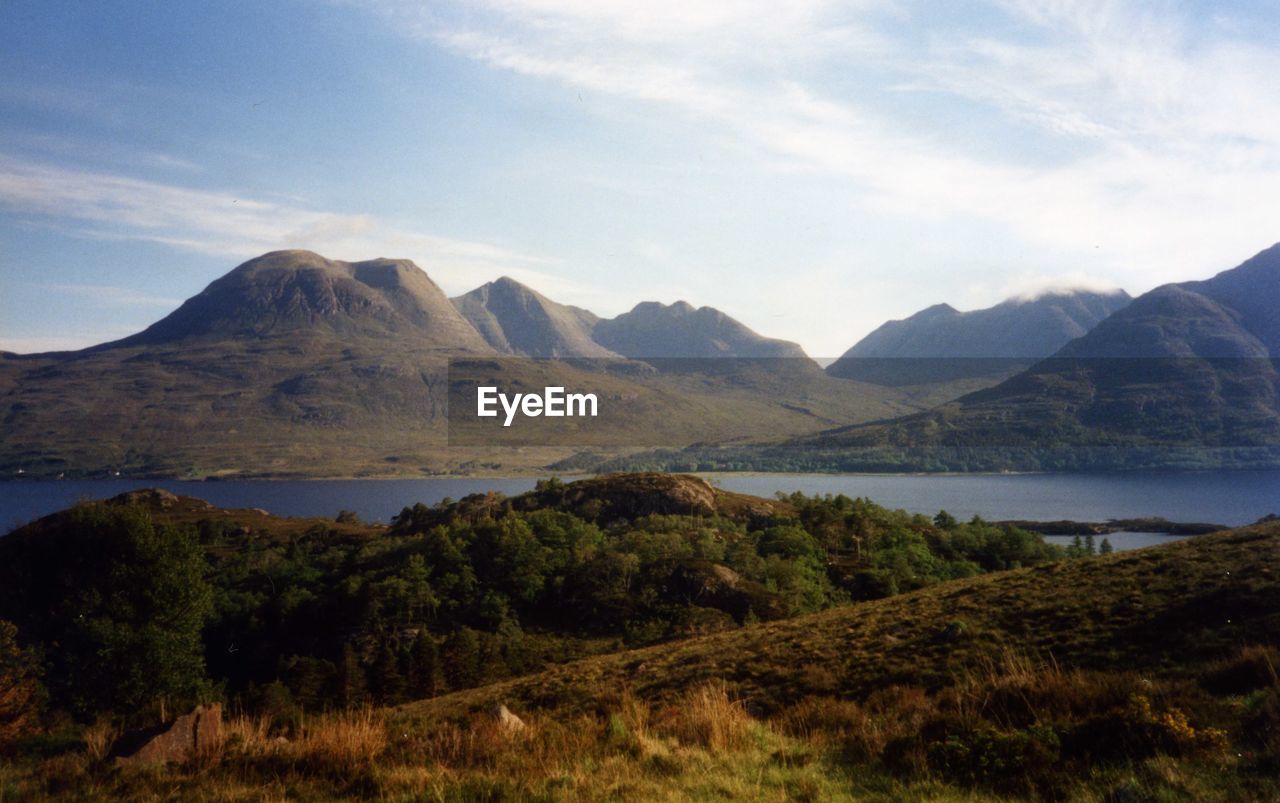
<point x="1224" y="497"/>
<point x="1121" y="541"/>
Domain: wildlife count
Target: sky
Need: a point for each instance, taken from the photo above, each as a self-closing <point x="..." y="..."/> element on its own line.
<point x="811" y="168"/>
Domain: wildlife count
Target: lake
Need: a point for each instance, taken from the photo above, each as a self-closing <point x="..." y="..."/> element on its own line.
<point x="1220" y="497"/>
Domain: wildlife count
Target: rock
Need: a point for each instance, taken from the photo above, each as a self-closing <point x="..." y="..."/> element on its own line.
<point x="506" y="720"/>
<point x="152" y="498"/>
<point x="185" y="737"/>
<point x="952" y="632"/>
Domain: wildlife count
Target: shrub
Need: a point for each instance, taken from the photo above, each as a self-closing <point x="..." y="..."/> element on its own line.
<point x="21" y="694"/>
<point x="1253" y="667"/>
<point x="706" y="716"/>
<point x="1010" y="761"/>
<point x="1139" y="730"/>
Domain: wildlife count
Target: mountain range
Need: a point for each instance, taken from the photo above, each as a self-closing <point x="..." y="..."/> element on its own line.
<point x="293" y="364"/>
<point x="947" y="353"/>
<point x="1192" y="364"/>
<point x="517" y="320"/>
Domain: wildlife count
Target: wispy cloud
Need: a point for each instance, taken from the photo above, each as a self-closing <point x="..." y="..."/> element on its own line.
<point x="1153" y="138"/>
<point x="113" y="296"/>
<point x="115" y="207"/>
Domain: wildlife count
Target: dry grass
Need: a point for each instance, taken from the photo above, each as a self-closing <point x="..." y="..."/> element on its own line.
<point x="708" y="717"/>
<point x="99" y="737"/>
<point x="1169" y="609"/>
<point x="341" y="743"/>
<point x="704" y="746"/>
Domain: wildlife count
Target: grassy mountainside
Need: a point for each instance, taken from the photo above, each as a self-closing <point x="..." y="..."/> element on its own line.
<point x="942" y="353"/>
<point x="1179" y="366"/>
<point x="1144" y="675"/>
<point x="679" y="331"/>
<point x="515" y="319"/>
<point x="1163" y="610"/>
<point x="295" y="365"/>
<point x="1178" y="378"/>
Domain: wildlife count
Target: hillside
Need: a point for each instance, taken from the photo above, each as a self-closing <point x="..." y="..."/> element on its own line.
<point x="288" y="292"/>
<point x="1162" y="610"/>
<point x="951" y="352"/>
<point x="679" y="331"/>
<point x="515" y="319"/>
<point x="1177" y="370"/>
<point x="296" y="365"/>
<point x="1148" y="674"/>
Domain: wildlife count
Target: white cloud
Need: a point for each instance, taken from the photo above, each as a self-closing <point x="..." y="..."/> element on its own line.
<point x="110" y="295"/>
<point x="1146" y="147"/>
<point x="114" y="207"/>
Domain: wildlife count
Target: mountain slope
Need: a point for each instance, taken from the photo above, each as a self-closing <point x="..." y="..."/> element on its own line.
<point x="941" y="344"/>
<point x="1183" y="604"/>
<point x="515" y="319"/>
<point x="678" y="331"/>
<point x="286" y="292"/>
<point x="1181" y="366"/>
<point x="296" y="365"/>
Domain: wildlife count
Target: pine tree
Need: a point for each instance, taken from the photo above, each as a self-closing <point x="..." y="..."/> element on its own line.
<point x="388" y="684"/>
<point x="1106" y="548"/>
<point x="461" y="659"/>
<point x="351" y="677"/>
<point x="423" y="674"/>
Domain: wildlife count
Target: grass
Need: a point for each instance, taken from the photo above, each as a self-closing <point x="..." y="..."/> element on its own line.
<point x="1161" y="610"/>
<point x="1148" y="675"/>
<point x="704" y="745"/>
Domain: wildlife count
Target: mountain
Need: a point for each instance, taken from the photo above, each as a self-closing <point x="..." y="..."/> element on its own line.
<point x="678" y="331"/>
<point x="288" y="292"/>
<point x="297" y="365"/>
<point x="515" y="319"/>
<point x="942" y="344"/>
<point x="1189" y="366"/>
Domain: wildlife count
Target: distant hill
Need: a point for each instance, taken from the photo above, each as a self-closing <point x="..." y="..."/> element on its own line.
<point x="679" y="331"/>
<point x="1176" y="605"/>
<point x="287" y="292"/>
<point x="1185" y="365"/>
<point x="297" y="365"/>
<point x="515" y="319"/>
<point x="942" y="344"/>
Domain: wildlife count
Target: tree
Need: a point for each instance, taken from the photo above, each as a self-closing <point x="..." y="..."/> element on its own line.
<point x="462" y="660"/>
<point x="388" y="684"/>
<point x="1105" y="547"/>
<point x="351" y="677"/>
<point x="20" y="689"/>
<point x="423" y="675"/>
<point x="117" y="603"/>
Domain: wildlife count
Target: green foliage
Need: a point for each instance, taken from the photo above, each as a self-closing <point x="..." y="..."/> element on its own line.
<point x="118" y="603"/>
<point x="21" y="693"/>
<point x="463" y="593"/>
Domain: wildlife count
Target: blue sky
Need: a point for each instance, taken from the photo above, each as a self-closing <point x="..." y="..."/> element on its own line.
<point x="812" y="168"/>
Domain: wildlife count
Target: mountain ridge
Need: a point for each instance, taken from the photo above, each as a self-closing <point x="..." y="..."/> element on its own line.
<point x="943" y="344"/>
<point x="516" y="319"/>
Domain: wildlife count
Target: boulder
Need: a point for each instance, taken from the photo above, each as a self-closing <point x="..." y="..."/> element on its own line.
<point x="506" y="720"/>
<point x="185" y="737"/>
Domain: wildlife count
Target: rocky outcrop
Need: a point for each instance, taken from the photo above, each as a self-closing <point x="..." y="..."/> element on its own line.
<point x="185" y="737"/>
